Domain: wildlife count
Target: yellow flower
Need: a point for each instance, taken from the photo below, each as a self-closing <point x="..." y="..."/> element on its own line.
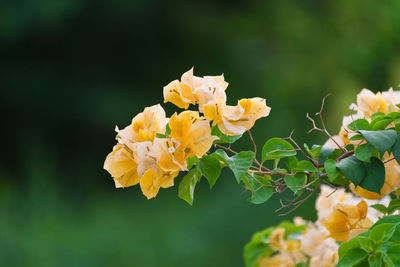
<point x="151" y="182"/>
<point x="210" y="90"/>
<point x="179" y="94"/>
<point x="122" y="166"/>
<point x="277" y="260"/>
<point x="165" y="150"/>
<point x="145" y="125"/>
<point x="322" y="251"/>
<point x="392" y="98"/>
<point x="368" y="103"/>
<point x="235" y="120"/>
<point x="155" y="166"/>
<point x="192" y="133"/>
<point x="192" y="89"/>
<point x="346" y="221"/>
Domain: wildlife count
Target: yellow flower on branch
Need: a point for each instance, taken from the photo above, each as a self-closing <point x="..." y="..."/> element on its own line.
<point x="347" y="221"/>
<point x="122" y="166"/>
<point x="152" y="181"/>
<point x="368" y="103"/>
<point x="144" y="127"/>
<point x="192" y="133"/>
<point x="235" y="120"/>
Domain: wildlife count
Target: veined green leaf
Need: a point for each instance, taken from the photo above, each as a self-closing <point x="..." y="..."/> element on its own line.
<point x="375" y="176"/>
<point x="359" y="124"/>
<point x="381" y="140"/>
<point x="364" y="152"/>
<point x="188" y="184"/>
<point x="277" y="148"/>
<point x="296" y="182"/>
<point x="396" y="149"/>
<point x="210" y="168"/>
<point x="239" y="163"/>
<point x="305" y="166"/>
<point x="352" y="168"/>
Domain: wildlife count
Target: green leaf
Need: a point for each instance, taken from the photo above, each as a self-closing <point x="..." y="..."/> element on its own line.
<point x="305" y="166"/>
<point x="210" y="168"/>
<point x="291" y="162"/>
<point x="366" y="244"/>
<point x="345" y="247"/>
<point x="187" y="186"/>
<point x="364" y="152"/>
<point x="162" y="136"/>
<point x="223" y="138"/>
<point x="191" y="162"/>
<point x="377" y="114"/>
<point x="380" y="207"/>
<point x="392" y="256"/>
<point x="356" y="137"/>
<point x="382" y="232"/>
<point x="394" y="114"/>
<point x="261" y="193"/>
<point x="277" y="148"/>
<point x="387" y="219"/>
<point x="257" y="247"/>
<point x="353" y="169"/>
<point x="334" y="174"/>
<point x="351" y="258"/>
<point x="296" y="181"/>
<point x="381" y="124"/>
<point x="167" y="129"/>
<point x="393" y="205"/>
<point x="396" y="235"/>
<point x="325" y="153"/>
<point x="375" y="260"/>
<point x="396" y="149"/>
<point x="314" y="151"/>
<point x="331" y="171"/>
<point x="381" y="140"/>
<point x="375" y="176"/>
<point x="239" y="163"/>
<point x="360" y="124"/>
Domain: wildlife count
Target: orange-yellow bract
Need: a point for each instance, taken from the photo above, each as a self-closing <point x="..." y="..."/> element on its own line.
<point x="152" y="156"/>
<point x="347" y="221"/>
<point x="209" y="93"/>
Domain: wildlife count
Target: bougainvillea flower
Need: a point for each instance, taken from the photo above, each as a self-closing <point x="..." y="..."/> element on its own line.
<point x="368" y="103"/>
<point x="346" y="221"/>
<point x="192" y="132"/>
<point x="392" y="98"/>
<point x="147" y="124"/>
<point x="122" y="166"/>
<point x="211" y="91"/>
<point x="178" y="93"/>
<point x="152" y="181"/>
<point x="165" y="150"/>
<point x="237" y="119"/>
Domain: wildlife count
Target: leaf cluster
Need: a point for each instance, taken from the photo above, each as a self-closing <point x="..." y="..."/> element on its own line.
<point x="377" y="247"/>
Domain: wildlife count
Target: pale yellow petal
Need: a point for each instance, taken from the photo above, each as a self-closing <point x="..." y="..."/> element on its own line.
<point x="149" y="183"/>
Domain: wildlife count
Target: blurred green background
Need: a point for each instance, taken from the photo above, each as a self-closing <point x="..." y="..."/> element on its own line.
<point x="73" y="69"/>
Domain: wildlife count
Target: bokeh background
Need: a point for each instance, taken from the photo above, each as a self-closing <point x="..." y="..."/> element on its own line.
<point x="73" y="69"/>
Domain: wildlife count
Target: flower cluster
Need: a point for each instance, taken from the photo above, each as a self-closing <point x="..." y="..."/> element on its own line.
<point x="153" y="149"/>
<point x="341" y="216"/>
<point x="209" y="93"/>
<point x="368" y="104"/>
